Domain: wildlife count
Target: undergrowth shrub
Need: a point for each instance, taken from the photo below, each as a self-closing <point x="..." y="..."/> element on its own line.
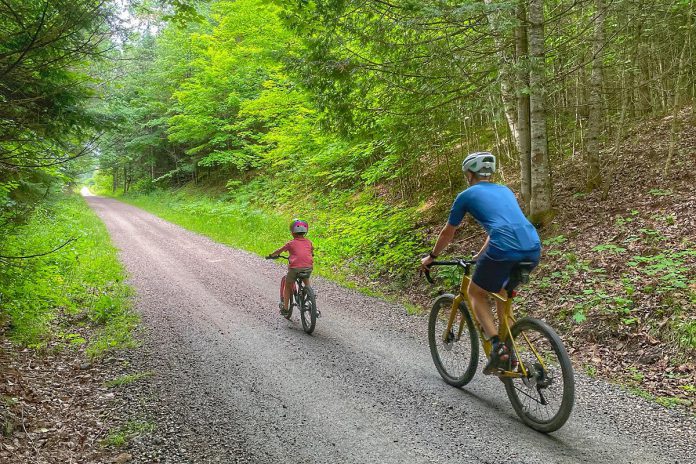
<point x="82" y="278"/>
<point x="353" y="234"/>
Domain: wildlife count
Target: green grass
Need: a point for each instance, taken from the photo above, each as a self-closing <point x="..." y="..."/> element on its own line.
<point x="413" y="310"/>
<point x="362" y="238"/>
<point x="236" y="225"/>
<point x="590" y="370"/>
<point x="127" y="379"/>
<point x="120" y="437"/>
<point x="82" y="281"/>
<point x="672" y="402"/>
<point x="666" y="401"/>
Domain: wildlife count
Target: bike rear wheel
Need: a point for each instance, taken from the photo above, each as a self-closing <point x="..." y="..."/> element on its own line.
<point x="544" y="398"/>
<point x="308" y="309"/>
<point x="455" y="354"/>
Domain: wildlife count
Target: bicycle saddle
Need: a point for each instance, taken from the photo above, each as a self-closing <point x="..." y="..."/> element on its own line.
<point x="519" y="275"/>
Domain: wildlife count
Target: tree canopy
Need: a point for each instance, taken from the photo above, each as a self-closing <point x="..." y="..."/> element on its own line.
<point x="337" y="95"/>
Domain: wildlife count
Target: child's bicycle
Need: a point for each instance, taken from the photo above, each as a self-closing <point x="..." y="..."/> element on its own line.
<point x="302" y="298"/>
<point x="538" y="375"/>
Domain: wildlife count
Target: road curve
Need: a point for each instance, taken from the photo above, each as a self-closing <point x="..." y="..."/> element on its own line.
<point x="237" y="383"/>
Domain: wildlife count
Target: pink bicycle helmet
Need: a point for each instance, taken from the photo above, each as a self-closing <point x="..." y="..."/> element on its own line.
<point x="299" y="226"/>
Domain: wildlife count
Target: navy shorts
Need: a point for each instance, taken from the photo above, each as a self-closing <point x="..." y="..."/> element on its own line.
<point x="492" y="274"/>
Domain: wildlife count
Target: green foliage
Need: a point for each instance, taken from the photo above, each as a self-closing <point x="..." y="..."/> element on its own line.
<point x="660" y="192"/>
<point x="82" y="277"/>
<point x="610" y="248"/>
<point x="352" y="235"/>
<point x="590" y="370"/>
<point x="127" y="379"/>
<point x="686" y="333"/>
<point x="553" y="241"/>
<point x="451" y="276"/>
<point x="234" y="223"/>
<point x="622" y="221"/>
<point x="372" y="236"/>
<point x="671" y="401"/>
<point x="46" y="126"/>
<point x="579" y="316"/>
<point x="119" y="438"/>
<point x="671" y="269"/>
<point x="71" y="338"/>
<point x="635" y="374"/>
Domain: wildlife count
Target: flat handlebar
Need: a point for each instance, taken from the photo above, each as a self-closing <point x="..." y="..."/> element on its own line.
<point x="464" y="263"/>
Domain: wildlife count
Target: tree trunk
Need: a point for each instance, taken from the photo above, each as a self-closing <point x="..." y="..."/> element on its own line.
<point x="523" y="133"/>
<point x="506" y="73"/>
<point x="540" y="205"/>
<point x="674" y="129"/>
<point x="609" y="177"/>
<point x="594" y="124"/>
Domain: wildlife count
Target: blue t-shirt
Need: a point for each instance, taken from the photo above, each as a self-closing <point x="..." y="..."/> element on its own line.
<point x="495" y="207"/>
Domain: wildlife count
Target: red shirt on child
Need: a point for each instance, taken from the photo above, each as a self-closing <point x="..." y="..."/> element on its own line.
<point x="300" y="250"/>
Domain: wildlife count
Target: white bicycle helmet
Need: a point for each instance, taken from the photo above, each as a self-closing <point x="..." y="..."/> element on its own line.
<point x="481" y="163"/>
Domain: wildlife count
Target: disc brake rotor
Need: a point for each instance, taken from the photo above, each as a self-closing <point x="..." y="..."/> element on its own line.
<point x="449" y="342"/>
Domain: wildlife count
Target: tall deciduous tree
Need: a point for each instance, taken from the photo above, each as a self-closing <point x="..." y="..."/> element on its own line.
<point x="524" y="135"/>
<point x="596" y="116"/>
<point x="540" y="204"/>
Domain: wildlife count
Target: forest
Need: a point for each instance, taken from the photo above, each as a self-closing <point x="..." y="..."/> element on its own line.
<point x="230" y="117"/>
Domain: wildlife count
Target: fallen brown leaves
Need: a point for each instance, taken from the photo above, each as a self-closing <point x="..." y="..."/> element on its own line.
<point x="54" y="407"/>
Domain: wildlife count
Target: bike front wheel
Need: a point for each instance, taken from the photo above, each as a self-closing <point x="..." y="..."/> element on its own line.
<point x="308" y="310"/>
<point x="544" y="397"/>
<point x="455" y="352"/>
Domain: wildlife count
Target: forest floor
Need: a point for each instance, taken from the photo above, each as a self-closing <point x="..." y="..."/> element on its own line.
<point x="57" y="406"/>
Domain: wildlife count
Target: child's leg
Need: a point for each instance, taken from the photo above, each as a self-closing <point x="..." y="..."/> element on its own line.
<point x="288" y="291"/>
<point x="306" y="281"/>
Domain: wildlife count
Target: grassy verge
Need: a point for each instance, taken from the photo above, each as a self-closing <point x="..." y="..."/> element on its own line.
<point x="120" y="437"/>
<point x="362" y="239"/>
<point x="75" y="294"/>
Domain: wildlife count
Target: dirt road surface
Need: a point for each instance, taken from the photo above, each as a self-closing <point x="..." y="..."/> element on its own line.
<point x="234" y="382"/>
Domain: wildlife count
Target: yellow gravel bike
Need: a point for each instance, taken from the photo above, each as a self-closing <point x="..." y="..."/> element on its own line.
<point x="538" y="376"/>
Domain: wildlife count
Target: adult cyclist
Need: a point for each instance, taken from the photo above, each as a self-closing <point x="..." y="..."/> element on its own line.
<point x="511" y="240"/>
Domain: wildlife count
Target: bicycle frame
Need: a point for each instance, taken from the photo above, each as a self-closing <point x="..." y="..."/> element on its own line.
<point x="504" y="332"/>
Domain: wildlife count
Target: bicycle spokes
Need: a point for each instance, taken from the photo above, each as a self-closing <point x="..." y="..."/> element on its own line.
<point x="453" y="342"/>
<point x="542" y="390"/>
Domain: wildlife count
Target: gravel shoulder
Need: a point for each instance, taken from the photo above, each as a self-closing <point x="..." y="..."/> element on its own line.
<point x="234" y="382"/>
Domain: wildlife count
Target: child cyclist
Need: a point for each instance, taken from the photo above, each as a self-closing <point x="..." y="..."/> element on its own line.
<point x="301" y="258"/>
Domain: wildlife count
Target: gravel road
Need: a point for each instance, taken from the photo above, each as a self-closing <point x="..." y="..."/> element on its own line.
<point x="235" y="382"/>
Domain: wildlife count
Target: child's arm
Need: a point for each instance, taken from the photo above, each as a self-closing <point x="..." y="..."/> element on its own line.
<point x="280" y="250"/>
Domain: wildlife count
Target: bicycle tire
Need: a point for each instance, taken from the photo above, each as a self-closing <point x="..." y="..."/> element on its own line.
<point x="308" y="310"/>
<point x="539" y="378"/>
<point x="466" y="349"/>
